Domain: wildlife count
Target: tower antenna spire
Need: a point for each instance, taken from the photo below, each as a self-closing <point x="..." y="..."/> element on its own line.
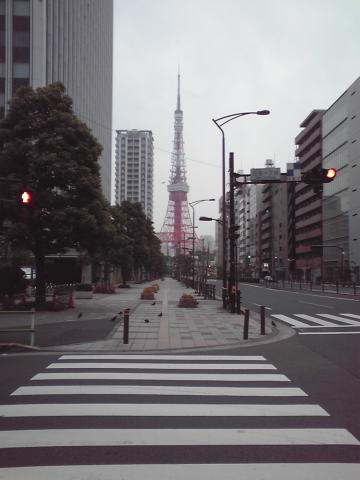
<point x="177" y="227"/>
<point x="178" y="107"/>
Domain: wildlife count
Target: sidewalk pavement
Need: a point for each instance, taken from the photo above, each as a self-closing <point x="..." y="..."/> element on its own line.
<point x="165" y="326"/>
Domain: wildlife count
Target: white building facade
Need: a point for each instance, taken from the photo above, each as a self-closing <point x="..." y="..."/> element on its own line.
<point x="44" y="41"/>
<point x="134" y="168"/>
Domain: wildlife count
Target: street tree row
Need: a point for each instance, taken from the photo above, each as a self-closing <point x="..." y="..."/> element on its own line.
<point x="46" y="150"/>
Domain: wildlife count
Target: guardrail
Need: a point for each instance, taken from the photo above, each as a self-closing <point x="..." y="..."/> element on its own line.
<point x="31" y="328"/>
<point x="338" y="287"/>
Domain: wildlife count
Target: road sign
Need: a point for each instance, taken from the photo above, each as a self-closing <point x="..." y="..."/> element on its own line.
<point x="269" y="173"/>
<point x="293" y="172"/>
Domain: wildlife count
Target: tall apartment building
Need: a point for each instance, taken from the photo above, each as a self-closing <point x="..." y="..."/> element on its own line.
<point x="305" y="214"/>
<point x="245" y="217"/>
<point x="272" y="245"/>
<point x="341" y="198"/>
<point x="44" y="41"/>
<point x="134" y="168"/>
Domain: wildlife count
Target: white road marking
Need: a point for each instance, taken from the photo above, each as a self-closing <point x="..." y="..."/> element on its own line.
<point x="158" y="390"/>
<point x="319" y="321"/>
<point x="351" y="315"/>
<point x="259" y="305"/>
<point x="159" y="410"/>
<point x="196" y="471"/>
<point x="291" y="321"/>
<point x="332" y="326"/>
<point x="328" y="333"/>
<point x="72" y="437"/>
<point x="164" y="366"/>
<point x="317" y="304"/>
<point x="202" y="377"/>
<point x="234" y="358"/>
<point x="339" y="319"/>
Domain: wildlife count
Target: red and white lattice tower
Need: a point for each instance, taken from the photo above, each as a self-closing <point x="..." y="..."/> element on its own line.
<point x="177" y="228"/>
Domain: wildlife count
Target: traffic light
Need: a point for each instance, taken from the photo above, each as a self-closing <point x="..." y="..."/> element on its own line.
<point x="328" y="174"/>
<point x="233" y="235"/>
<point x="25" y="197"/>
<point x="319" y="176"/>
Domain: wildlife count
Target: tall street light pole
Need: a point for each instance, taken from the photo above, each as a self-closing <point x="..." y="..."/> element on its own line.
<point x="219" y="122"/>
<point x="192" y="205"/>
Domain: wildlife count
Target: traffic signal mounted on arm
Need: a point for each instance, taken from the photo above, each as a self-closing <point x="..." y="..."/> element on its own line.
<point x="319" y="176"/>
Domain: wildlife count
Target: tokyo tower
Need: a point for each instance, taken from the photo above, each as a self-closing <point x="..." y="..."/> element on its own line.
<point x="177" y="226"/>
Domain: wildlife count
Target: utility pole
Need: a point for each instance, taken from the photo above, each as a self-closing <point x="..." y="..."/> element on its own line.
<point x="232" y="235"/>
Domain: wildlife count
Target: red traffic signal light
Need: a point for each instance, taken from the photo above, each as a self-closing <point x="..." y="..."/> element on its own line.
<point x="26" y="197"/>
<point x="329" y="174"/>
<point x="319" y="175"/>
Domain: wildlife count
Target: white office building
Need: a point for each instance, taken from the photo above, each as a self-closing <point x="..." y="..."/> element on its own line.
<point x="134" y="168"/>
<point x="44" y="41"/>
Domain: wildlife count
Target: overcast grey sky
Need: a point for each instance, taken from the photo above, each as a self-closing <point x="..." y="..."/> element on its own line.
<point x="288" y="56"/>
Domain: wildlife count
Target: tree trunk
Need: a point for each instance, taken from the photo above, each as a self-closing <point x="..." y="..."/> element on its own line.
<point x="40" y="296"/>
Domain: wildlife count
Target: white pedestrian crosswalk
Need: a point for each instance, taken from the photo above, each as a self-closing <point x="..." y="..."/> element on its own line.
<point x="324" y="322"/>
<point x="121" y="416"/>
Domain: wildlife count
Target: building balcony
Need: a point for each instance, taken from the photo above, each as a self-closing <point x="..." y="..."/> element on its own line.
<point x="303" y="195"/>
<point x="315" y="233"/>
<point x="307" y="222"/>
<point x="314" y="205"/>
<point x="301" y="249"/>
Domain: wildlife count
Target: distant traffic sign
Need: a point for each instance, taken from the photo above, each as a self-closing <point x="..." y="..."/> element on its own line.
<point x="269" y="173"/>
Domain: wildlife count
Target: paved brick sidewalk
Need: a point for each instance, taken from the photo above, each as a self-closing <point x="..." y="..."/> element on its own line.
<point x="165" y="326"/>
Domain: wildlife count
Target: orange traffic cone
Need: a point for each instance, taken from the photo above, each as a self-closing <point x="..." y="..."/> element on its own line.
<point x="71" y="303"/>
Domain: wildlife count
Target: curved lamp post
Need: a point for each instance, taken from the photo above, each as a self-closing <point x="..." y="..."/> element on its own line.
<point x="219" y="122"/>
<point x="192" y="205"/>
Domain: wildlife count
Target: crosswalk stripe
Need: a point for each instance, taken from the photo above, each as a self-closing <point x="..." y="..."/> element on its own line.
<point x="291" y="321"/>
<point x="339" y="319"/>
<point x="164" y="366"/>
<point x="160" y="410"/>
<point x="158" y="390"/>
<point x="329" y="333"/>
<point x="351" y="315"/>
<point x="187" y="436"/>
<point x="234" y="358"/>
<point x="314" y="319"/>
<point x="202" y="377"/>
<point x="196" y="471"/>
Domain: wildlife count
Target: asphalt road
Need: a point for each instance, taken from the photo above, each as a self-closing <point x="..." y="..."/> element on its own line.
<point x="170" y="427"/>
<point x="290" y="302"/>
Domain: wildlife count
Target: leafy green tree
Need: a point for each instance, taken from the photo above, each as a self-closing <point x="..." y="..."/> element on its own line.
<point x="117" y="246"/>
<point x="51" y="152"/>
<point x="146" y="246"/>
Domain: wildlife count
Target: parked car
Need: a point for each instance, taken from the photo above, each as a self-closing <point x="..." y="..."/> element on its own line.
<point x="268" y="278"/>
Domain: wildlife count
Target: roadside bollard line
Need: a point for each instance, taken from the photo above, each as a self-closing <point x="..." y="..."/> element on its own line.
<point x="246" y="324"/>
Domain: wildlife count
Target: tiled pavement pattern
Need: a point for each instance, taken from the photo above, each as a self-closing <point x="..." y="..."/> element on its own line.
<point x="208" y="325"/>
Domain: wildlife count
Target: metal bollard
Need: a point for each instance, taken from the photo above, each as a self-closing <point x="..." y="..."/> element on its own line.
<point x="337" y="286"/>
<point x="246" y="324"/>
<point x="238" y="301"/>
<point x="126" y="325"/>
<point x="262" y="320"/>
<point x="354" y="288"/>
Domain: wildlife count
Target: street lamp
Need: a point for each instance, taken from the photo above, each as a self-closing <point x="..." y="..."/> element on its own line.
<point x="209" y="219"/>
<point x="192" y="205"/>
<point x="219" y="122"/>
